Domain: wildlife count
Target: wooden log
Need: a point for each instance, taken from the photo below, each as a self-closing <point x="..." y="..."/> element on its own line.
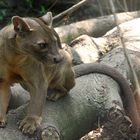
<point x="94" y="27"/>
<point x="72" y="116"/>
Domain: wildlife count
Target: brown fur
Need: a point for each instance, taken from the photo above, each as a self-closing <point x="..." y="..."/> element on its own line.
<point x="31" y="54"/>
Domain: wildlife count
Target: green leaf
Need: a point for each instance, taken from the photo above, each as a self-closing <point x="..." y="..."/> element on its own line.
<point x="42" y="10"/>
<point x="1" y="18"/>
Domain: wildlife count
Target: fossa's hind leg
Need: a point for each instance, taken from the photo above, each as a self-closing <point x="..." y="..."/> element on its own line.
<point x="62" y="87"/>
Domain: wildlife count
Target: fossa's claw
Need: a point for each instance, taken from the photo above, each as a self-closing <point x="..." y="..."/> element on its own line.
<point x="29" y="124"/>
<point x="55" y="95"/>
<point x="3" y="122"/>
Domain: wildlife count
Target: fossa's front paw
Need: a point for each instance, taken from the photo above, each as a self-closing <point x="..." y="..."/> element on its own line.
<point x="30" y="124"/>
<point x="3" y="122"/>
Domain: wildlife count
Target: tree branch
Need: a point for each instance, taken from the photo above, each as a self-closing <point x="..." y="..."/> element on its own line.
<point x="69" y="11"/>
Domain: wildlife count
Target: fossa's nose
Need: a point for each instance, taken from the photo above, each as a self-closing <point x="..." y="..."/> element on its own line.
<point x="57" y="59"/>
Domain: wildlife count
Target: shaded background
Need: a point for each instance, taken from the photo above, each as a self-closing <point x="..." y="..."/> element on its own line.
<point x="93" y="8"/>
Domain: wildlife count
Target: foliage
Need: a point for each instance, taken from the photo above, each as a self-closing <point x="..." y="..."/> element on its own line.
<point x="8" y="8"/>
<point x="36" y="8"/>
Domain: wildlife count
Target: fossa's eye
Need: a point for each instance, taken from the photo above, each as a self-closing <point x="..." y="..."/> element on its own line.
<point x="43" y="45"/>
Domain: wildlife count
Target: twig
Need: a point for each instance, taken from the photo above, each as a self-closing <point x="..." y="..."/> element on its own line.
<point x="52" y="5"/>
<point x="70" y="10"/>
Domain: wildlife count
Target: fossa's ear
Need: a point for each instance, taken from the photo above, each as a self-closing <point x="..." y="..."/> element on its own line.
<point x="47" y="18"/>
<point x="20" y="25"/>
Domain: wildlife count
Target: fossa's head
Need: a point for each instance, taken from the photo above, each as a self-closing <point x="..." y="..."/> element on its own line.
<point x="36" y="37"/>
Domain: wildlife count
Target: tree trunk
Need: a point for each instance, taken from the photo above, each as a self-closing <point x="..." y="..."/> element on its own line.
<point x="72" y="116"/>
